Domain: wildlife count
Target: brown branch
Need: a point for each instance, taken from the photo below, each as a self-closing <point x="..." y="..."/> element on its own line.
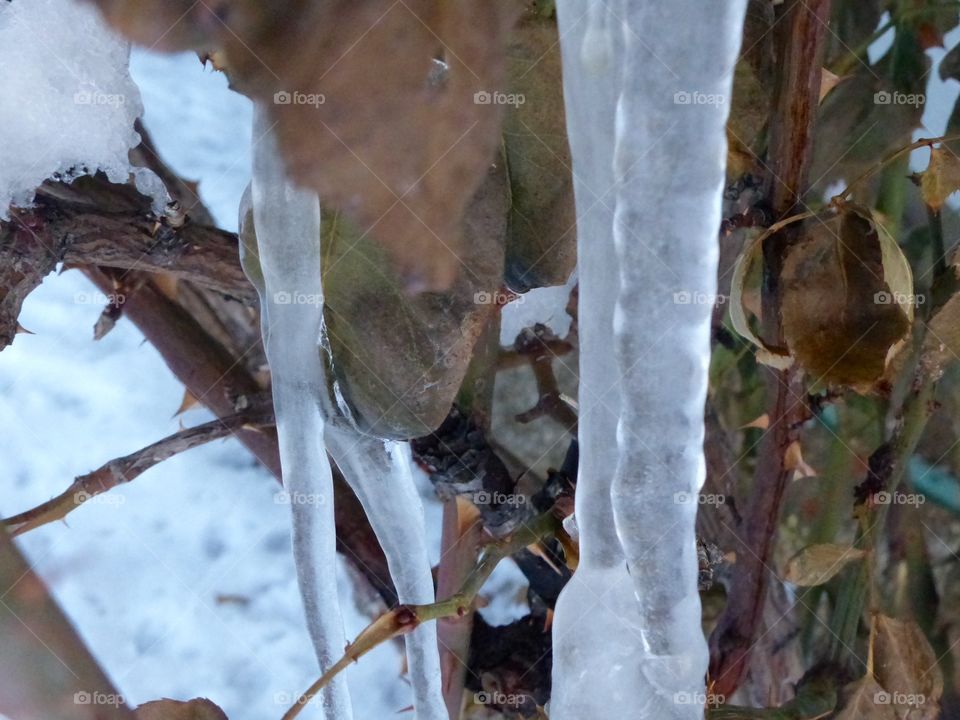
<point x="223" y="384"/>
<point x="537" y="345"/>
<point x="125" y="469"/>
<point x="46" y="671"/>
<point x="802" y="29"/>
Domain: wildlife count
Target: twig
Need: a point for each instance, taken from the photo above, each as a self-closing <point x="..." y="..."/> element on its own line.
<point x="405" y="618"/>
<point x="125" y="469"/>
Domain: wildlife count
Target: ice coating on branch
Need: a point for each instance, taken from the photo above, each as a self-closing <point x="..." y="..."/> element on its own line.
<point x="380" y="474"/>
<point x="655" y="75"/>
<point x="67" y="103"/>
<point x="288" y="231"/>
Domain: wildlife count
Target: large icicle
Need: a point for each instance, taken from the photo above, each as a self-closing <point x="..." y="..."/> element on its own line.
<point x="288" y="231"/>
<point x="669" y="161"/>
<point x="662" y="81"/>
<point x="596" y="632"/>
<point x="380" y="474"/>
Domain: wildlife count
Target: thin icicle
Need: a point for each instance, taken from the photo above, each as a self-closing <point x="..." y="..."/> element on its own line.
<point x="288" y="231"/>
<point x="669" y="161"/>
<point x="380" y="474"/>
<point x="596" y="631"/>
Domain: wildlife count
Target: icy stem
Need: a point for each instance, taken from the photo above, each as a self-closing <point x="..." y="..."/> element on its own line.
<point x="288" y="231"/>
<point x="656" y="76"/>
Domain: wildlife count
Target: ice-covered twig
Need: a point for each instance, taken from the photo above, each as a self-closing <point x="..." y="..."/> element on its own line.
<point x="288" y="232"/>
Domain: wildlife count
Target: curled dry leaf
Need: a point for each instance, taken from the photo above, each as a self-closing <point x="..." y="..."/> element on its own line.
<point x="198" y="709"/>
<point x="846" y="298"/>
<point x="331" y="72"/>
<point x="817" y="564"/>
<point x="864" y="700"/>
<point x="941" y="178"/>
<point x="906" y="666"/>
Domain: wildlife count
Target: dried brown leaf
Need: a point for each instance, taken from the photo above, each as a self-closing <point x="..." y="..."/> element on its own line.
<point x="390" y="111"/>
<point x="941" y="178"/>
<point x="906" y="666"/>
<point x="817" y="564"/>
<point x="198" y="709"/>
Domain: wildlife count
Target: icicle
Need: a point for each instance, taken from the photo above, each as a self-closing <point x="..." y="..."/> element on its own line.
<point x="669" y="160"/>
<point x="659" y="73"/>
<point x="288" y="231"/>
<point x="380" y="474"/>
<point x="596" y="631"/>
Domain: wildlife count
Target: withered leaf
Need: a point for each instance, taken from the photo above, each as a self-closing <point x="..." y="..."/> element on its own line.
<point x="906" y="666"/>
<point x="817" y="564"/>
<point x="198" y="709"/>
<point x="941" y="178"/>
<point x="942" y="341"/>
<point x="865" y="700"/>
<point x="390" y="111"/>
<point x="542" y="241"/>
<point x="846" y="298"/>
<point x="398" y="359"/>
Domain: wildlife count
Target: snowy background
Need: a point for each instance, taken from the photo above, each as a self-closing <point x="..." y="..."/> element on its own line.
<point x="182" y="582"/>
